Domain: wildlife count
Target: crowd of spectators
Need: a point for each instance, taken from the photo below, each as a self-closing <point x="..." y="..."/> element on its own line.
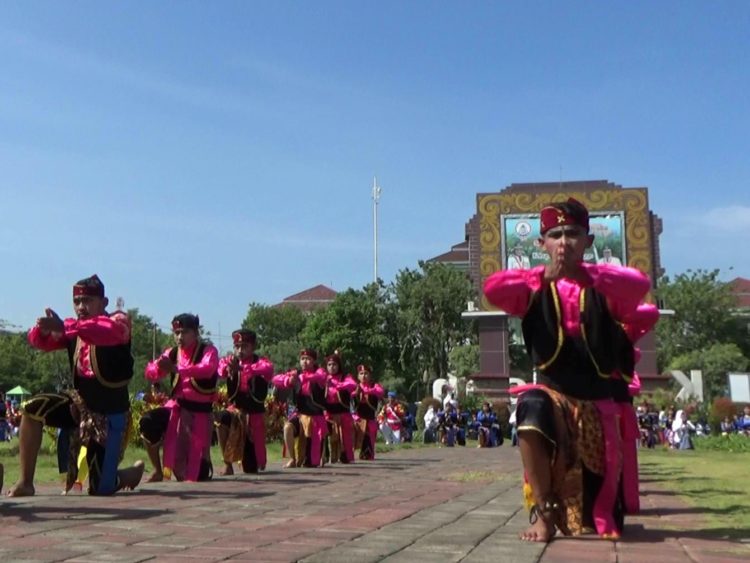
<point x="450" y="426"/>
<point x="674" y="428"/>
<point x="10" y="420"/>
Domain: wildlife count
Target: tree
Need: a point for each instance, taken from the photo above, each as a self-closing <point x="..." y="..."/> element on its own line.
<point x="464" y="360"/>
<point x="427" y="323"/>
<point x="147" y="341"/>
<point x="355" y="324"/>
<point x="275" y="324"/>
<point x="715" y="362"/>
<point x="704" y="315"/>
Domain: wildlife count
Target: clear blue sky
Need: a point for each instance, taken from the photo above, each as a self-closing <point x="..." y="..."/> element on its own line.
<point x="202" y="156"/>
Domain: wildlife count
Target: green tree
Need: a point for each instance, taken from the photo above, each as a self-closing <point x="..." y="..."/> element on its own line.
<point x="147" y="342"/>
<point x="275" y="324"/>
<point x="354" y="324"/>
<point x="427" y="323"/>
<point x="715" y="362"/>
<point x="464" y="360"/>
<point x="704" y="315"/>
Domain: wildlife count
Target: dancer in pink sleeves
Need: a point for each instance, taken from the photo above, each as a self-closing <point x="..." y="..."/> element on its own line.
<point x="192" y="368"/>
<point x="309" y="390"/>
<point x="242" y="426"/>
<point x="341" y="387"/>
<point x="367" y="398"/>
<point x="572" y="314"/>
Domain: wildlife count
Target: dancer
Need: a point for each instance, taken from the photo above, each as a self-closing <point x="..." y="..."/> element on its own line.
<point x="338" y="406"/>
<point x="571" y="313"/>
<point x="242" y="426"/>
<point x="184" y="425"/>
<point x="366" y="427"/>
<point x="97" y="409"/>
<point x="310" y="398"/>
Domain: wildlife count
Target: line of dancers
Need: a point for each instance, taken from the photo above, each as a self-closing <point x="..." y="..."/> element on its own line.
<point x="329" y="409"/>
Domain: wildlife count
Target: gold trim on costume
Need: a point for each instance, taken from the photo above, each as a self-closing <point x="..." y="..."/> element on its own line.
<point x="560" y="335"/>
<point x="582" y="304"/>
<point x="95" y="368"/>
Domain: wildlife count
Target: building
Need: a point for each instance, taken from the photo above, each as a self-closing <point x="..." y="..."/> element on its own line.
<point x="317" y="297"/>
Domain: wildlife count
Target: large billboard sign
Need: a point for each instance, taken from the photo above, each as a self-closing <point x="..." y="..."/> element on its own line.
<point x="520" y="247"/>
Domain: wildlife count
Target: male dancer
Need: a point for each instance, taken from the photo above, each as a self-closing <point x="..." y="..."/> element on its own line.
<point x="97" y="409"/>
<point x="338" y="406"/>
<point x="367" y="397"/>
<point x="310" y="400"/>
<point x="184" y="423"/>
<point x="242" y="427"/>
<point x="571" y="313"/>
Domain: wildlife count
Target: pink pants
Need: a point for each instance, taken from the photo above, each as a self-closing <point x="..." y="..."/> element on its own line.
<point x="188" y="436"/>
<point x="630" y="436"/>
<point x="257" y="433"/>
<point x="604" y="504"/>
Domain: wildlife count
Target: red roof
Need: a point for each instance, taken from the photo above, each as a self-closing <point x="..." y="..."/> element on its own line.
<point x="318" y="296"/>
<point x="740" y="287"/>
<point x="458" y="253"/>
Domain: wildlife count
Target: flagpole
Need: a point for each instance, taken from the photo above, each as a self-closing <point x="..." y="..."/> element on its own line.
<point x="375" y="199"/>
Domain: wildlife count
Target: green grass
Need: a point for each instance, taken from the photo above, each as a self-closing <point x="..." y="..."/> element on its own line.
<point x="716" y="482"/>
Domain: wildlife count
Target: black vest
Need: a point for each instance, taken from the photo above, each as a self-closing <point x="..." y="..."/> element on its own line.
<point x="205" y="386"/>
<point x="314" y="404"/>
<point x="254" y="399"/>
<point x="342" y="404"/>
<point x="580" y="366"/>
<point x="367" y="406"/>
<point x="107" y="391"/>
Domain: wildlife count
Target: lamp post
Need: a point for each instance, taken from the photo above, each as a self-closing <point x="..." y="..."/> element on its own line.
<point x="375" y="199"/>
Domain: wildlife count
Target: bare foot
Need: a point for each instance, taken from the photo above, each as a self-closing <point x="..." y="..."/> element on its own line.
<point x="21" y="490"/>
<point x="290" y="464"/>
<point x="131" y="477"/>
<point x="539" y="531"/>
<point x="228" y="469"/>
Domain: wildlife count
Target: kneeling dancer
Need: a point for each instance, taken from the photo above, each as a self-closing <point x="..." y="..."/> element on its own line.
<point x="185" y="423"/>
<point x="242" y="426"/>
<point x="567" y="425"/>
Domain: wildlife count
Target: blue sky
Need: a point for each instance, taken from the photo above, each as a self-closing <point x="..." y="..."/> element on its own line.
<point x="199" y="157"/>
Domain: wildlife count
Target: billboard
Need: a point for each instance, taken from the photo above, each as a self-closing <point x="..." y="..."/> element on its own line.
<point x="520" y="247"/>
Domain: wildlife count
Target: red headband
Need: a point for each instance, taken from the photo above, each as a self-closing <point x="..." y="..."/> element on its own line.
<point x="552" y="216"/>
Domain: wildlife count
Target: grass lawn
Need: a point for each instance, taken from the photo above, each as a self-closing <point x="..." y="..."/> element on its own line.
<point x="718" y="482"/>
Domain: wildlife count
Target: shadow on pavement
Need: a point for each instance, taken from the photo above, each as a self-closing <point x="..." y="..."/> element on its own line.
<point x="39" y="513"/>
<point x="636" y="533"/>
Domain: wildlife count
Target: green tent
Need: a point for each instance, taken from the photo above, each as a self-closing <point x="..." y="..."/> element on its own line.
<point x="18" y="391"/>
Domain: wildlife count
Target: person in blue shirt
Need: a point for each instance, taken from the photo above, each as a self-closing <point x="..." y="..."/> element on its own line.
<point x="489" y="429"/>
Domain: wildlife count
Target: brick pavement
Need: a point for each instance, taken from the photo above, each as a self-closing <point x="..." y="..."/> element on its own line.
<point x="415" y="505"/>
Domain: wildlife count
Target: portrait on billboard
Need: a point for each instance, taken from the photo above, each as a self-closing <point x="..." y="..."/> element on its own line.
<point x="521" y="249"/>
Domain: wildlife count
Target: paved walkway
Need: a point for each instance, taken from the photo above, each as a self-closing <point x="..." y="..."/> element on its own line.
<point x="416" y="505"/>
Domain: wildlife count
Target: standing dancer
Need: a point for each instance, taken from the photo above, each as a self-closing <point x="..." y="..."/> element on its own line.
<point x="571" y="313"/>
<point x="340" y="389"/>
<point x="242" y="427"/>
<point x="186" y="432"/>
<point x="310" y="400"/>
<point x="366" y="428"/>
<point x="97" y="409"/>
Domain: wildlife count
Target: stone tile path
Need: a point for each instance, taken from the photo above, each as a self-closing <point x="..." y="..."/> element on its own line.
<point x="451" y="504"/>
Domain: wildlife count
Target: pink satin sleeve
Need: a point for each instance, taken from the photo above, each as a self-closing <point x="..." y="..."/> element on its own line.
<point x="204" y="369"/>
<point x="152" y="371"/>
<point x="347" y="385"/>
<point x="640" y="321"/>
<point x="376" y="391"/>
<point x="102" y="330"/>
<point x="224" y="366"/>
<point x="634" y="387"/>
<point x="623" y="287"/>
<point x="510" y="290"/>
<point x="45" y="342"/>
<point x="263" y="367"/>
<point x="281" y="380"/>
